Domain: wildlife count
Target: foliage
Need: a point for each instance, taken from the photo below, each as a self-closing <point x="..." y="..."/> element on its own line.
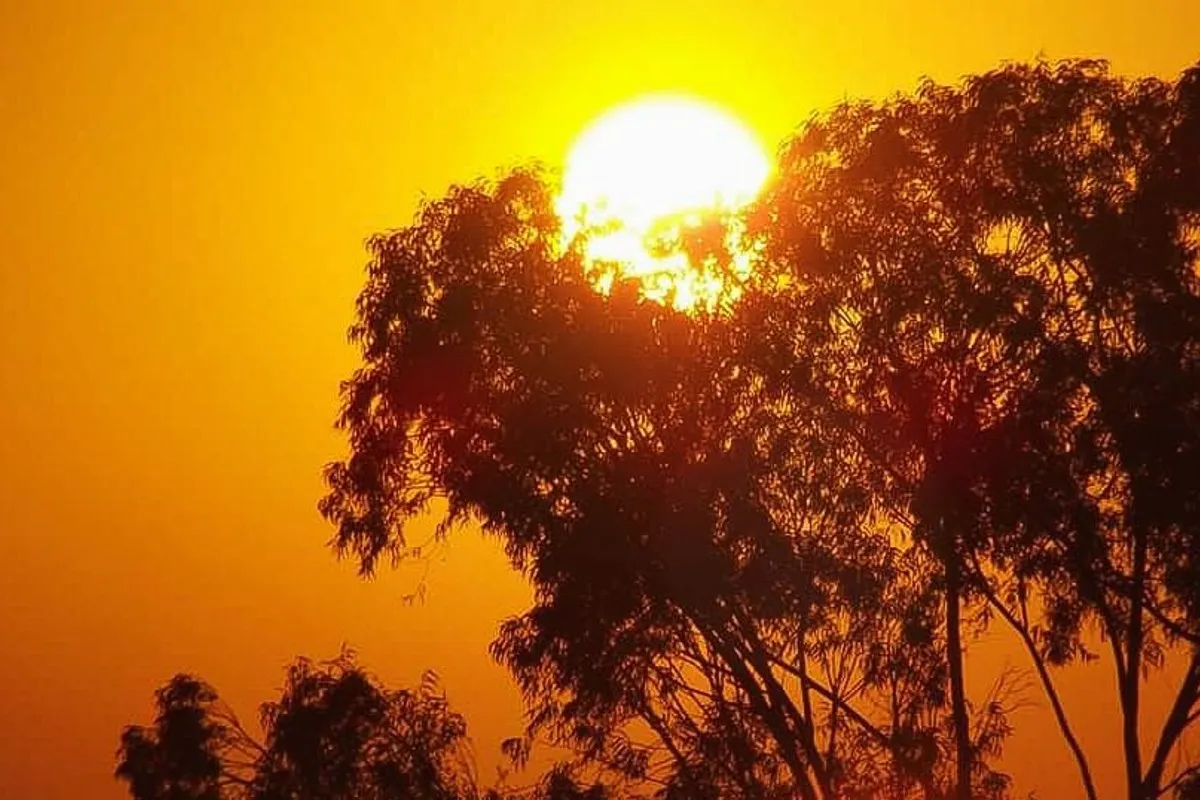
<point x="959" y="384"/>
<point x="992" y="296"/>
<point x="335" y="733"/>
<point x="694" y="544"/>
<point x="180" y="757"/>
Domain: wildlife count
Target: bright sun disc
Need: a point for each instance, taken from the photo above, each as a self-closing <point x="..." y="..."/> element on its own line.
<point x="657" y="159"/>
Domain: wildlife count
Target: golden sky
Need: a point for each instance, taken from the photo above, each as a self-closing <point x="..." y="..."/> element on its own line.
<point x="185" y="186"/>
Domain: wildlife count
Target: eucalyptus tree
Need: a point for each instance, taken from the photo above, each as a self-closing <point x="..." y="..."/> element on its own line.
<point x="720" y="606"/>
<point x="987" y="295"/>
<point x="334" y="733"/>
<point x="183" y="756"/>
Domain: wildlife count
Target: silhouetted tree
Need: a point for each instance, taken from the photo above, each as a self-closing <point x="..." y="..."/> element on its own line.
<point x="959" y="382"/>
<point x="705" y="565"/>
<point x="992" y="297"/>
<point x="335" y="733"/>
<point x="184" y="755"/>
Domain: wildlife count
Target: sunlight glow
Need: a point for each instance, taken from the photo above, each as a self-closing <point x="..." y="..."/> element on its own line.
<point x="648" y="166"/>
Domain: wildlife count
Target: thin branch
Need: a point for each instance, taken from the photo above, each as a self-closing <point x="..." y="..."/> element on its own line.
<point x="805" y="690"/>
<point x="769" y="714"/>
<point x="1179" y="779"/>
<point x="661" y="728"/>
<point x="832" y="697"/>
<point x="1060" y="714"/>
<point x="1171" y="626"/>
<point x="758" y="655"/>
<point x="1177" y="721"/>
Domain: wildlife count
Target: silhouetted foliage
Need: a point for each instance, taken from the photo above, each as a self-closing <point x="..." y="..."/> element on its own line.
<point x="335" y="733"/>
<point x="1015" y="347"/>
<point x="960" y="383"/>
<point x="684" y="543"/>
<point x="180" y="757"/>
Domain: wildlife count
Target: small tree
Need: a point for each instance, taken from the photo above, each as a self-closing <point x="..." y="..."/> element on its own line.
<point x="185" y="755"/>
<point x="335" y="733"/>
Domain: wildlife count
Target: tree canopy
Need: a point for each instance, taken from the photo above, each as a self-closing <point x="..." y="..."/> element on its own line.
<point x="335" y="733"/>
<point x="957" y="387"/>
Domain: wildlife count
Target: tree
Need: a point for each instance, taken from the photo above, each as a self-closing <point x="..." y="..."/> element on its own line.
<point x="335" y="733"/>
<point x="1034" y="419"/>
<point x="959" y="383"/>
<point x="184" y="755"/>
<point x="1118" y="212"/>
<point x="694" y="548"/>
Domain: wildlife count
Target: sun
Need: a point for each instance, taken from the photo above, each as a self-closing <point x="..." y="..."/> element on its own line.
<point x="652" y="162"/>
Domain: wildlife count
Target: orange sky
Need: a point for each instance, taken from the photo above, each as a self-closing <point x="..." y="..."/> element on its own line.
<point x="184" y="189"/>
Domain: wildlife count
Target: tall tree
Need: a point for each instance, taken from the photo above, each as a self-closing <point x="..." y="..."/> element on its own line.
<point x="705" y="563"/>
<point x="960" y="382"/>
<point x="991" y="293"/>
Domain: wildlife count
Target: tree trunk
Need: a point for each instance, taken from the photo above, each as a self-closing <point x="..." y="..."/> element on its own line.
<point x="958" y="694"/>
<point x="1130" y="688"/>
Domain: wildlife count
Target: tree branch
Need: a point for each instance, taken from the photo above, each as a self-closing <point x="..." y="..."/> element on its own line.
<point x="1176" y="723"/>
<point x="1194" y="769"/>
<point x="1060" y="714"/>
<point x="832" y="697"/>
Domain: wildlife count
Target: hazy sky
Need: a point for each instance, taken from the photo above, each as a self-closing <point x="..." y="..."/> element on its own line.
<point x="185" y="186"/>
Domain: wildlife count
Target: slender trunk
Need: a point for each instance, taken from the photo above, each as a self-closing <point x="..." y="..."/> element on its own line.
<point x="802" y="674"/>
<point x="958" y="695"/>
<point x="765" y="706"/>
<point x="804" y="727"/>
<point x="1060" y="715"/>
<point x="831" y="750"/>
<point x="1131" y="681"/>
